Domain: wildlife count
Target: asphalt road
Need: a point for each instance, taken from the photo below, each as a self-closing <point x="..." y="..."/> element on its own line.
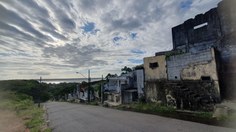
<point x="67" y="117"/>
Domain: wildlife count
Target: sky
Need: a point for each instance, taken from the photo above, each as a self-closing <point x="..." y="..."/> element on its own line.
<point x="57" y="38"/>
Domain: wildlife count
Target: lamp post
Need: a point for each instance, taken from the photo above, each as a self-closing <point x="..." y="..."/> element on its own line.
<point x="89" y="79"/>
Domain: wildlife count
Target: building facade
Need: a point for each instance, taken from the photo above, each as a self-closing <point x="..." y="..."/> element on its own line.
<point x="125" y="88"/>
<point x="203" y="57"/>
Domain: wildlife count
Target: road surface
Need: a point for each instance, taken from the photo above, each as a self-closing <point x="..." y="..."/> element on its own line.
<point x="67" y="117"/>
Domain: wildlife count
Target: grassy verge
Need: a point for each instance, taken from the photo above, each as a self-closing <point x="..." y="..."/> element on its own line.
<point x="25" y="109"/>
<point x="195" y="116"/>
<point x="150" y="108"/>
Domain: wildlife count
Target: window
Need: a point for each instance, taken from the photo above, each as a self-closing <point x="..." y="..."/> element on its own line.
<point x="153" y="65"/>
<point x="206" y="78"/>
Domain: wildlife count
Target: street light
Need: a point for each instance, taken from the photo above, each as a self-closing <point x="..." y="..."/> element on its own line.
<point x="81" y="74"/>
<point x="89" y="79"/>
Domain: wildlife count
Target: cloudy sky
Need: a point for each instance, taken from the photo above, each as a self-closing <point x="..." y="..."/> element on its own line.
<point x="57" y="38"/>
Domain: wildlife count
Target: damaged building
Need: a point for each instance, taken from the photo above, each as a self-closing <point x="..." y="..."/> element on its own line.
<point x="201" y="69"/>
<point x="124" y="89"/>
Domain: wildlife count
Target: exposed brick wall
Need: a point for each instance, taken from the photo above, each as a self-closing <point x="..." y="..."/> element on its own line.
<point x="175" y="64"/>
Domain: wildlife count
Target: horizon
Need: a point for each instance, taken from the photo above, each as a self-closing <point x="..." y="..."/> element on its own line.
<point x="49" y="79"/>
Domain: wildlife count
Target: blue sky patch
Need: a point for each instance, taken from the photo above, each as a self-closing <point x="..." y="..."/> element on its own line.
<point x="89" y="27"/>
<point x="137" y="51"/>
<point x="186" y="4"/>
<point x="136" y="61"/>
<point x="116" y="39"/>
<point x="133" y="35"/>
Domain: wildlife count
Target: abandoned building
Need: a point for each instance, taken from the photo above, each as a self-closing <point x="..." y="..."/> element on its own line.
<point x="201" y="69"/>
<point x="125" y="88"/>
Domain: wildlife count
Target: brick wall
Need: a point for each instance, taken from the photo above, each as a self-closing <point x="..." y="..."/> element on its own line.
<point x="176" y="63"/>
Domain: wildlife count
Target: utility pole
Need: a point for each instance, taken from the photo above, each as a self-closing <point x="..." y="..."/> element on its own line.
<point x="89" y="86"/>
<point x="102" y="91"/>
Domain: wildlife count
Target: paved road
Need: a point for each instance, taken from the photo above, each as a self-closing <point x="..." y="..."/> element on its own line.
<point x="67" y="117"/>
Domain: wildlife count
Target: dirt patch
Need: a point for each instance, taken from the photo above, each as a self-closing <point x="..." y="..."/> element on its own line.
<point x="9" y="122"/>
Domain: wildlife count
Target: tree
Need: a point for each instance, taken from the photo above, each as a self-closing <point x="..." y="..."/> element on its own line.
<point x="138" y="67"/>
<point x="126" y="70"/>
<point x="110" y="75"/>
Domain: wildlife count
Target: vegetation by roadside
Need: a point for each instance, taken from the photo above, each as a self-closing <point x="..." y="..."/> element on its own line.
<point x="16" y="100"/>
<point x="195" y="116"/>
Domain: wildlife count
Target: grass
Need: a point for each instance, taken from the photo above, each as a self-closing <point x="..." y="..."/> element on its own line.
<point x="147" y="108"/>
<point x="25" y="109"/>
<point x="195" y="116"/>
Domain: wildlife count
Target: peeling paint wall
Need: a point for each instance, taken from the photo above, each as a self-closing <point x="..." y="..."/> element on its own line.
<point x="158" y="72"/>
<point x="194" y="71"/>
<point x="176" y="63"/>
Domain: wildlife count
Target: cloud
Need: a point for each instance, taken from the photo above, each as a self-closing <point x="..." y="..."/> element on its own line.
<point x="137" y="51"/>
<point x="8" y="16"/>
<point x="116" y="40"/>
<point x="186" y="4"/>
<point x="57" y="37"/>
<point x="42" y="73"/>
<point x="136" y="61"/>
<point x="133" y="35"/>
<point x="76" y="54"/>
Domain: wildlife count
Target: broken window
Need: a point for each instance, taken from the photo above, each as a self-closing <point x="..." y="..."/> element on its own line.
<point x="153" y="65"/>
<point x="201" y="25"/>
<point x="205" y="78"/>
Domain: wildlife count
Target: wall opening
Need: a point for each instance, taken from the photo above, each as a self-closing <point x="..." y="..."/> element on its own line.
<point x="153" y="65"/>
<point x="201" y="25"/>
<point x="205" y="78"/>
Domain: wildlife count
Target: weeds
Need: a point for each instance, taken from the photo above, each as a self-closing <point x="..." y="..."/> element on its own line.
<point x="25" y="108"/>
<point x="148" y="108"/>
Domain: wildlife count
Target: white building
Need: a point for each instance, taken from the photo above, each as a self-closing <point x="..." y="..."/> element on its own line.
<point x="125" y="88"/>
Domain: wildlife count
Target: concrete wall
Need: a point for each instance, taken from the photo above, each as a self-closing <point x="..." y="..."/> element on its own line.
<point x="206" y="67"/>
<point x="192" y="32"/>
<point x="152" y="90"/>
<point x="177" y="63"/>
<point x="195" y="71"/>
<point x="219" y="32"/>
<point x="140" y="82"/>
<point x="114" y="97"/>
<point x="227" y="48"/>
<point x="186" y="94"/>
<point x="158" y="72"/>
<point x="127" y="97"/>
<point x="227" y="14"/>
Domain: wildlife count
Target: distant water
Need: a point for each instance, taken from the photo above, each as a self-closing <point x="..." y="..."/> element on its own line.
<point x="70" y="80"/>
